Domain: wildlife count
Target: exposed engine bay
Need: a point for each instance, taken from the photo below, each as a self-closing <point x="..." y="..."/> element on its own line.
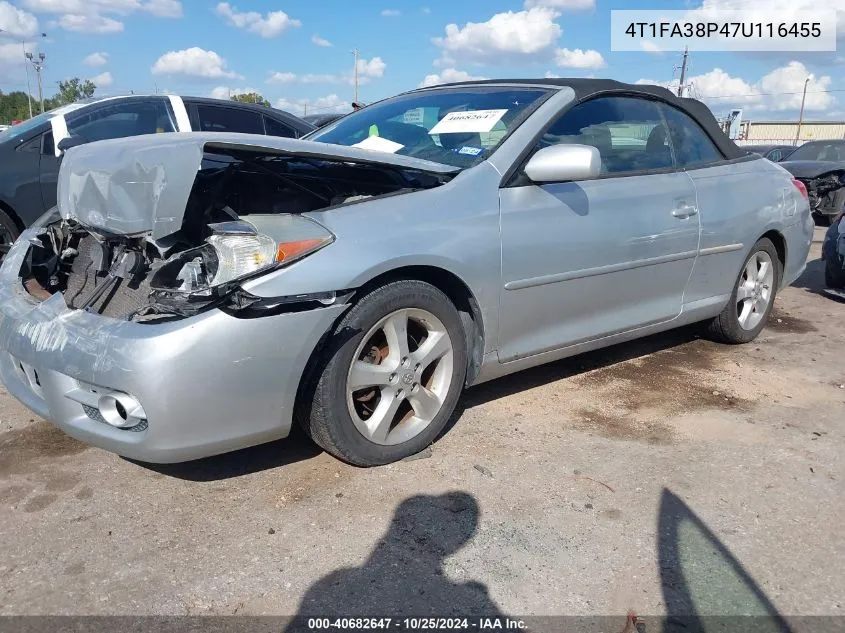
<point x="822" y="191"/>
<point x="244" y="217"/>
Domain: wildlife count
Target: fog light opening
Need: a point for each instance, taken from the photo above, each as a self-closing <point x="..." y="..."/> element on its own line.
<point x="121" y="410"/>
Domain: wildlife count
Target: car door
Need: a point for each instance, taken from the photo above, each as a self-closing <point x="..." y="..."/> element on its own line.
<point x="583" y="260"/>
<point x="735" y="198"/>
<point x="110" y="119"/>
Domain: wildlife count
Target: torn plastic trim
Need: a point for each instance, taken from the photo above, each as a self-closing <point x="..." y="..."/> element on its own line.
<point x="245" y="305"/>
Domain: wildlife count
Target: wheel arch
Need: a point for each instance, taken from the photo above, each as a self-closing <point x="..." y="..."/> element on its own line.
<point x="6" y="208"/>
<point x="779" y="241"/>
<point x="458" y="292"/>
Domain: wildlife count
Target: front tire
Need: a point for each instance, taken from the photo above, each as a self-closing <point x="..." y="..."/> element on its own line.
<point x="389" y="377"/>
<point x="753" y="296"/>
<point x="8" y="233"/>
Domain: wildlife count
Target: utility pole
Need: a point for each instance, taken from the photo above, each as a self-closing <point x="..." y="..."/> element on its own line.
<point x="681" y="85"/>
<point x="38" y="62"/>
<point x="801" y="114"/>
<point x="304" y="109"/>
<point x="355" y="75"/>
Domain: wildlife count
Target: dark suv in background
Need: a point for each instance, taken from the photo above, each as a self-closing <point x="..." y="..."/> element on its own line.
<point x="31" y="152"/>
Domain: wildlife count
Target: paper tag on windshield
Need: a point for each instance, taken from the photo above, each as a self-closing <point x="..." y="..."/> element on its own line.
<point x="468" y="122"/>
<point x="379" y="144"/>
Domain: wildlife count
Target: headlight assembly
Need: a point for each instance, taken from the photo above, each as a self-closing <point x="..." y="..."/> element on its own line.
<point x="236" y="251"/>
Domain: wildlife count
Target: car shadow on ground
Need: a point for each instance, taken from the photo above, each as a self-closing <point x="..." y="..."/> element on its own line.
<point x="812" y="279"/>
<point x="579" y="364"/>
<point x="405" y="575"/>
<point x="294" y="448"/>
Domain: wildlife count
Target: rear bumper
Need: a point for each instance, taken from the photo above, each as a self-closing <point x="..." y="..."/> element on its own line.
<point x="208" y="384"/>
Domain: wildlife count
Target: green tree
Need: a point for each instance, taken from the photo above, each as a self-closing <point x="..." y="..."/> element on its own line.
<point x="250" y="97"/>
<point x="14" y="106"/>
<point x="74" y="89"/>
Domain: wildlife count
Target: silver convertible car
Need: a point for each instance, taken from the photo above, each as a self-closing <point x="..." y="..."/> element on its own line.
<point x="198" y="293"/>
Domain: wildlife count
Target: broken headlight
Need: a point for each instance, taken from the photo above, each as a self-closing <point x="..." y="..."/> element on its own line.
<point x="236" y="251"/>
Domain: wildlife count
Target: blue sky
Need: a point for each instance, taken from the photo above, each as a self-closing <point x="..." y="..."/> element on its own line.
<point x="299" y="53"/>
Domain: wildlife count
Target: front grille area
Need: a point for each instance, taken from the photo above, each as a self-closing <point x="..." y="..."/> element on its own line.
<point x="124" y="298"/>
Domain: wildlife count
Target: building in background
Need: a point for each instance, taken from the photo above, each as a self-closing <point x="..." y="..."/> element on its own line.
<point x="784" y="132"/>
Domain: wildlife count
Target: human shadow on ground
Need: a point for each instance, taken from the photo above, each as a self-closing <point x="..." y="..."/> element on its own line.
<point x="404" y="574"/>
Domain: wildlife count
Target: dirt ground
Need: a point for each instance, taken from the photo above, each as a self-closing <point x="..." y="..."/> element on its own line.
<point x="671" y="475"/>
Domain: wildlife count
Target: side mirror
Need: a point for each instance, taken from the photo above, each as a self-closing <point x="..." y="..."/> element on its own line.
<point x="563" y="162"/>
<point x="71" y="141"/>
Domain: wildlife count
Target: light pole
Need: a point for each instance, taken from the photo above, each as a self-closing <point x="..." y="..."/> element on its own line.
<point x="26" y="71"/>
<point x="38" y="62"/>
<point x="801" y="114"/>
<point x="355" y="53"/>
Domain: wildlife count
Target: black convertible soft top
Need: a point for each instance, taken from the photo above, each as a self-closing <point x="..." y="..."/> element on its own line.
<point x="587" y="88"/>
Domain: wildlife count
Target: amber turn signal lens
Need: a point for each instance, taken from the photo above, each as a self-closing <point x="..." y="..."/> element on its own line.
<point x="290" y="250"/>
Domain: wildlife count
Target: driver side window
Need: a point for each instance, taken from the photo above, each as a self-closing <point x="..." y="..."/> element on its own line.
<point x="629" y="133"/>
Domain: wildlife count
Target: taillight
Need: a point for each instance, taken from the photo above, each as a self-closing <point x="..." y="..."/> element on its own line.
<point x="801" y="187"/>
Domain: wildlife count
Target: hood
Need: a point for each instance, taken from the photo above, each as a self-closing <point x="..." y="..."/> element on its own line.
<point x="811" y="168"/>
<point x="141" y="184"/>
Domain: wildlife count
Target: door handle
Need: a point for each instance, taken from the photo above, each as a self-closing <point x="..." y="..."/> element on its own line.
<point x="684" y="211"/>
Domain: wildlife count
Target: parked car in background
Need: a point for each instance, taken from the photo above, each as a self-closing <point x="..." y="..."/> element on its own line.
<point x="3" y="128"/>
<point x="774" y="153"/>
<point x="322" y="120"/>
<point x="820" y="165"/>
<point x="31" y="152"/>
<point x="199" y="293"/>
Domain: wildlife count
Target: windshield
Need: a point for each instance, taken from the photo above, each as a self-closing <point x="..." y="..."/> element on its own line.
<point x="458" y="127"/>
<point x="820" y="151"/>
<point x="30" y="124"/>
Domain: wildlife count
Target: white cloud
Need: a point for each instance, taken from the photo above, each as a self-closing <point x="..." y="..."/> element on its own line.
<point x="90" y="23"/>
<point x="322" y="105"/>
<point x="90" y="16"/>
<point x="562" y="5"/>
<point x="269" y="25"/>
<point x="225" y="92"/>
<point x="12" y="60"/>
<point x="779" y="90"/>
<point x="281" y="78"/>
<point x="391" y="13"/>
<point x="163" y="8"/>
<point x="367" y="71"/>
<point x="319" y="41"/>
<point x="550" y="75"/>
<point x="510" y="35"/>
<point x="373" y="68"/>
<point x="650" y="47"/>
<point x="17" y="22"/>
<point x="578" y="58"/>
<point x="798" y="8"/>
<point x="103" y="80"/>
<point x="790" y="79"/>
<point x="425" y="11"/>
<point x="447" y="76"/>
<point x="96" y="59"/>
<point x="193" y="62"/>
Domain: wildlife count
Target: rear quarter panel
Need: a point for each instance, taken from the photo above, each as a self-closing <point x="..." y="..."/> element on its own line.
<point x="738" y="203"/>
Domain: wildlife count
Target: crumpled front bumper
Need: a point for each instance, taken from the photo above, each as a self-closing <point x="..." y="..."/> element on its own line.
<point x="209" y="384"/>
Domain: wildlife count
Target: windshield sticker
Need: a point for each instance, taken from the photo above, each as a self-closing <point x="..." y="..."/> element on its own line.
<point x="414" y="117"/>
<point x="470" y="151"/>
<point x="379" y="144"/>
<point x="468" y="121"/>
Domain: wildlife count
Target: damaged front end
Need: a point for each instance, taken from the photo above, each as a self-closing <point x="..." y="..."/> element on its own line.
<point x="824" y="192"/>
<point x="134" y="242"/>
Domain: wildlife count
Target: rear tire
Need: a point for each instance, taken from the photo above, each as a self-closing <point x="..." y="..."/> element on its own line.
<point x="414" y="386"/>
<point x="753" y="296"/>
<point x="834" y="277"/>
